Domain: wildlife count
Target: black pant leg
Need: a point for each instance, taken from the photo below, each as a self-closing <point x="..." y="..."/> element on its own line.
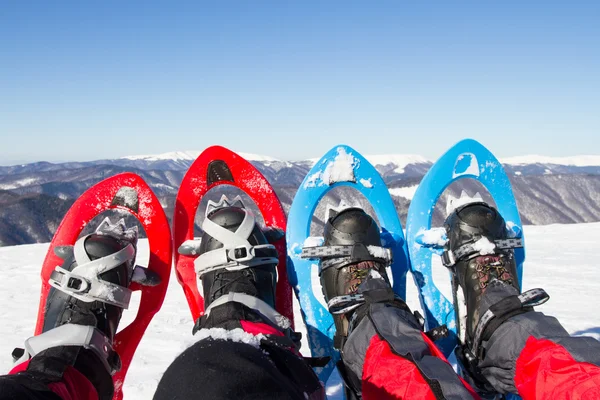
<point x="23" y="386"/>
<point x="219" y="369"/>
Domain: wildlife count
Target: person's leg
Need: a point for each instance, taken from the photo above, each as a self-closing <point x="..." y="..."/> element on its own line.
<point x="46" y="377"/>
<point x="245" y="348"/>
<point x="509" y="347"/>
<point x="385" y="353"/>
<point x="533" y="355"/>
<point x="237" y="357"/>
<point x="388" y="356"/>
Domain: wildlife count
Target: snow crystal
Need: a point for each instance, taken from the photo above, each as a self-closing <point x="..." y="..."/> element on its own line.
<point x="146" y="212"/>
<point x="129" y="197"/>
<point x="491" y="164"/>
<point x="484" y="246"/>
<point x="374" y="274"/>
<point x="334" y="389"/>
<point x="366" y="183"/>
<point x="378" y="252"/>
<point x="513" y="229"/>
<point x="259" y="185"/>
<point x="432" y="237"/>
<point x="311" y="181"/>
<point x="314" y="241"/>
<point x="139" y="275"/>
<point x="105" y="292"/>
<point x="341" y="169"/>
<point x="234" y="335"/>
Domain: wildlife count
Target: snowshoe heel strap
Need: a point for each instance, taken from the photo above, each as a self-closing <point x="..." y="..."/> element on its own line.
<point x="253" y="303"/>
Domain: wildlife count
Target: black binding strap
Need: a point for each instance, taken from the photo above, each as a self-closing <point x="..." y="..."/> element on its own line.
<point x="503" y="310"/>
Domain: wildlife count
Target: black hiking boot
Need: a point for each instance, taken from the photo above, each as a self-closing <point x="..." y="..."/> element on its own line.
<point x="356" y="269"/>
<point x="63" y="308"/>
<point x="257" y="280"/>
<point x="475" y="232"/>
<point x="84" y="306"/>
<point x="238" y="268"/>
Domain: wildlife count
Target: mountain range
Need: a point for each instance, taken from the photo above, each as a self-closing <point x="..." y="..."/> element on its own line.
<point x="34" y="197"/>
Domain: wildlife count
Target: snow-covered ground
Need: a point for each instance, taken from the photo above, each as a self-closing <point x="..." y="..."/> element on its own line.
<point x="560" y="258"/>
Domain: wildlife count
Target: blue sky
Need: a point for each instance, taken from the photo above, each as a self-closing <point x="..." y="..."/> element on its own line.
<point x="90" y="80"/>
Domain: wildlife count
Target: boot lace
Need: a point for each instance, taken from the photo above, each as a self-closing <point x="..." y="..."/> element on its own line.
<point x="492" y="267"/>
<point x="358" y="273"/>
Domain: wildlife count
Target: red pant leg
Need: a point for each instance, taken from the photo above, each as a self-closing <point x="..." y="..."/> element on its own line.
<point x="546" y="370"/>
<point x="74" y="385"/>
<point x="388" y="376"/>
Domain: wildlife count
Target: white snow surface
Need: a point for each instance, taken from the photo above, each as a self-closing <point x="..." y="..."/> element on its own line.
<point x="560" y="258"/>
<point x="366" y="183"/>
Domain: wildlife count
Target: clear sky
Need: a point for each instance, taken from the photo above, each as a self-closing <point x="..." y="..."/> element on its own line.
<point x="86" y="80"/>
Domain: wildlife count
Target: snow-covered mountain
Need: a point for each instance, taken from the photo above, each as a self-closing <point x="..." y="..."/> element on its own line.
<point x="34" y="197"/>
<point x="576" y="161"/>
